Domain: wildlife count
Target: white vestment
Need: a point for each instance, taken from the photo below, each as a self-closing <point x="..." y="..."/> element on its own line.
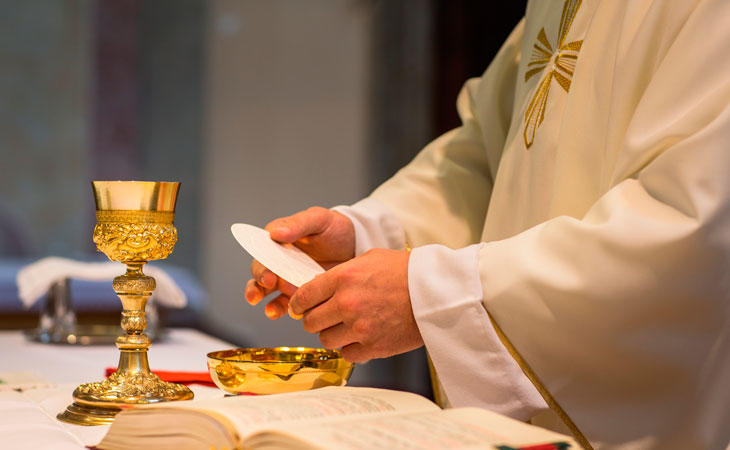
<point x="584" y="205"/>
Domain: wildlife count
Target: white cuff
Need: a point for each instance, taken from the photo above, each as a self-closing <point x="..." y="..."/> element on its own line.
<point x="473" y="366"/>
<point x="375" y="226"/>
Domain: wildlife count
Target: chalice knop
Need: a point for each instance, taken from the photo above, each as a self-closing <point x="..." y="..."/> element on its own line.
<point x="134" y="225"/>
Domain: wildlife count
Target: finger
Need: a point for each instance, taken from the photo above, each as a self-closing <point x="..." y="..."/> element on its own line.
<point x="294" y="315"/>
<point x="313" y="293"/>
<point x="253" y="292"/>
<point x="268" y="279"/>
<point x="322" y="317"/>
<point x="297" y="226"/>
<point x="263" y="276"/>
<point x="277" y="307"/>
<point x="286" y="288"/>
<point x="355" y="352"/>
<point x="327" y="265"/>
<point x="336" y="336"/>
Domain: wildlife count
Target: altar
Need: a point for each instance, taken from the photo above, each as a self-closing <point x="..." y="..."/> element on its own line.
<point x="28" y="418"/>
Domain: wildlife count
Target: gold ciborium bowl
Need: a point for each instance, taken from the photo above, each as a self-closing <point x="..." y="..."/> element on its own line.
<point x="134" y="224"/>
<point x="277" y="370"/>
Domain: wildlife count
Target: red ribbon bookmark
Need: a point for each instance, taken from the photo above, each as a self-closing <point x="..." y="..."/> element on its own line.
<point x="177" y="377"/>
<point x="550" y="446"/>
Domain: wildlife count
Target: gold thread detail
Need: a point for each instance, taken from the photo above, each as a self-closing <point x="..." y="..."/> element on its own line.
<point x="134" y="216"/>
<point x="549" y="399"/>
<point x="563" y="63"/>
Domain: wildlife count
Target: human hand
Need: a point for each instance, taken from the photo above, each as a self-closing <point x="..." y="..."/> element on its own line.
<point x="362" y="306"/>
<point x="325" y="235"/>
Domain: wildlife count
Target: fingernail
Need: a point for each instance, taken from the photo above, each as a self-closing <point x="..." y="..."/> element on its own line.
<point x="252" y="297"/>
<point x="294" y="315"/>
<point x="271" y="312"/>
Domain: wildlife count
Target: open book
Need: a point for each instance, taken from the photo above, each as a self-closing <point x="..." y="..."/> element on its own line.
<point x="327" y="418"/>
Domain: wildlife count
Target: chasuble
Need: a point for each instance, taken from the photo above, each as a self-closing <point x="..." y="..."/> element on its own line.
<point x="571" y="239"/>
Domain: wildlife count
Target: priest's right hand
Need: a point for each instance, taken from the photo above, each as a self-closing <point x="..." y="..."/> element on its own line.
<point x="325" y="235"/>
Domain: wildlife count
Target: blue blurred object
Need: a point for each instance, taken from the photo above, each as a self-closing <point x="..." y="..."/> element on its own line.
<point x="92" y="296"/>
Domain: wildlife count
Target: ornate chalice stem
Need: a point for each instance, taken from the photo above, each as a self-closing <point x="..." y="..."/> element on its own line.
<point x="133" y="288"/>
<point x="134" y="225"/>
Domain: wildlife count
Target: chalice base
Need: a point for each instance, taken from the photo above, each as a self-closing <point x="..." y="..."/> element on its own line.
<point x="131" y="385"/>
<point x="78" y="414"/>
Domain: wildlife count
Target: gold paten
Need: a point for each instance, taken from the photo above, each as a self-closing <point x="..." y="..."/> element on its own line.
<point x="277" y="370"/>
<point x="134" y="225"/>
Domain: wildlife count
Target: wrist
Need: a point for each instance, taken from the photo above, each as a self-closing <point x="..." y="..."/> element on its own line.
<point x="374" y="226"/>
<point x="347" y="231"/>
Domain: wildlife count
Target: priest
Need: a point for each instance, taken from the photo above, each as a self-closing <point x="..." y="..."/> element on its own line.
<point x="564" y="255"/>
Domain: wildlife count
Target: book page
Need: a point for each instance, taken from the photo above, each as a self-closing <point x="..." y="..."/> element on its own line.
<point x="455" y="428"/>
<point x="251" y="413"/>
<point x="225" y="422"/>
<point x="26" y="425"/>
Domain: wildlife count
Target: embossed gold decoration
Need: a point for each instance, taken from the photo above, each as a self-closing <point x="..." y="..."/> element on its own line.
<point x="135" y="241"/>
<point x="134" y="225"/>
<point x="562" y="63"/>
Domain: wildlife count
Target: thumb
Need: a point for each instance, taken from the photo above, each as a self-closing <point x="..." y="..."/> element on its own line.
<point x="300" y="225"/>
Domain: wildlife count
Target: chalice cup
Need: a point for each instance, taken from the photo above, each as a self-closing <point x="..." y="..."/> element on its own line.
<point x="134" y="225"/>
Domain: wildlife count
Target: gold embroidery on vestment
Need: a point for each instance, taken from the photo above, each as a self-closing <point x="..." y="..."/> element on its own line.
<point x="563" y="64"/>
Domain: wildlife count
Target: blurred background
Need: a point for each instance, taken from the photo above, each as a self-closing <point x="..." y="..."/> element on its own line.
<point x="260" y="108"/>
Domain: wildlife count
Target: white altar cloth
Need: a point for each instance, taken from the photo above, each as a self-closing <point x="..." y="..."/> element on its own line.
<point x="28" y="418"/>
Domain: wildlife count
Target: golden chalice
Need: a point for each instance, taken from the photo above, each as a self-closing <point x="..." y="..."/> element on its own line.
<point x="134" y="225"/>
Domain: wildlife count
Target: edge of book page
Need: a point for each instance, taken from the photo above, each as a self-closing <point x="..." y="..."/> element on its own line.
<point x="501" y="429"/>
<point x="130" y="422"/>
<point x="219" y="408"/>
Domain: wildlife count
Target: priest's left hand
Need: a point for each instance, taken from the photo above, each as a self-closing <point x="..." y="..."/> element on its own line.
<point x="361" y="306"/>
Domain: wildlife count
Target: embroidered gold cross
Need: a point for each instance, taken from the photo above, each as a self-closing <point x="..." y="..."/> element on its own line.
<point x="562" y="62"/>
